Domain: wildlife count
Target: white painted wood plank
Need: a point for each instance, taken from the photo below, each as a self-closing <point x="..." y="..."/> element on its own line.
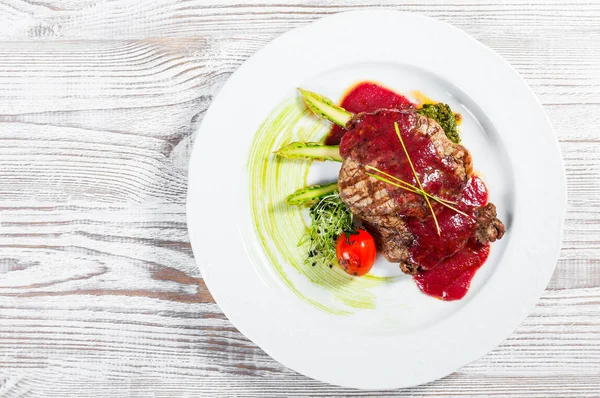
<point x="140" y="337"/>
<point x="92" y="19"/>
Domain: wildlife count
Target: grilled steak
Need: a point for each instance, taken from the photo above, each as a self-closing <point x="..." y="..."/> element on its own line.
<point x="401" y="221"/>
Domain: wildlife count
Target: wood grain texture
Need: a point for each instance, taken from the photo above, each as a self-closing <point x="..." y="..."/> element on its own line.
<point x="99" y="293"/>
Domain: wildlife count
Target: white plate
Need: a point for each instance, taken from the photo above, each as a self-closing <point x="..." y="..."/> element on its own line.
<point x="403" y="337"/>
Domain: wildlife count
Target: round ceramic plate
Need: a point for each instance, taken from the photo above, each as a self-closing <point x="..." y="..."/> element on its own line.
<point x="378" y="331"/>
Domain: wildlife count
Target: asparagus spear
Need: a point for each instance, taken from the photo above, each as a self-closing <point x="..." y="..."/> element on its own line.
<point x="311" y="194"/>
<point x="310" y="150"/>
<point x="325" y="108"/>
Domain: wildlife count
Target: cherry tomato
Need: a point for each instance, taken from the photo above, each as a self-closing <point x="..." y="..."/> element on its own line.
<point x="356" y="252"/>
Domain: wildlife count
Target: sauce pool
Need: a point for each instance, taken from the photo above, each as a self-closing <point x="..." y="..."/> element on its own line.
<point x="450" y="278"/>
<point x="367" y="97"/>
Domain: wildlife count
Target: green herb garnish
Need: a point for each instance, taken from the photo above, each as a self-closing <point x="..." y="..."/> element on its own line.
<point x="330" y="218"/>
<point x="442" y="114"/>
<point x="417" y="178"/>
<point x="397" y="182"/>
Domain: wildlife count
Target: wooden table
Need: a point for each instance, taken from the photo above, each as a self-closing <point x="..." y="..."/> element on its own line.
<point x="99" y="293"/>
